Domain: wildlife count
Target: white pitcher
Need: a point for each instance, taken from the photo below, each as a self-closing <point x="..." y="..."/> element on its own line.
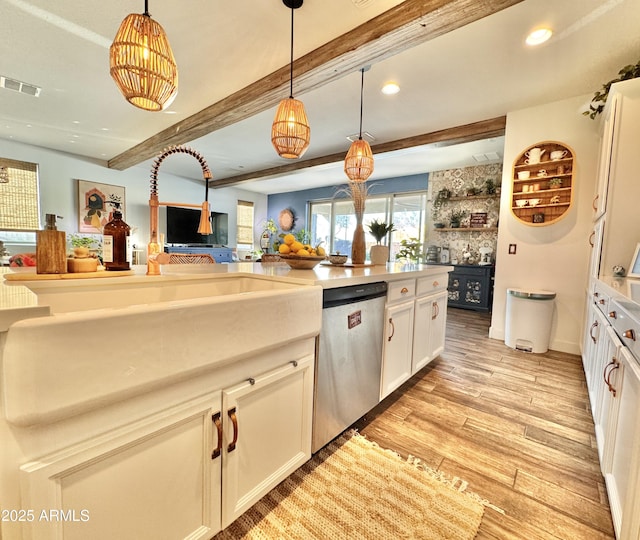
<point x="534" y="155"/>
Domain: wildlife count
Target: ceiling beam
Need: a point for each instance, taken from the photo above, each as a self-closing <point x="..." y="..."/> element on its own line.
<point x="495" y="127"/>
<point x="404" y="26"/>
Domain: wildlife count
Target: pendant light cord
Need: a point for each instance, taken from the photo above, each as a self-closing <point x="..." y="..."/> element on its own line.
<point x="361" y="100"/>
<point x="146" y="8"/>
<point x="291" y="63"/>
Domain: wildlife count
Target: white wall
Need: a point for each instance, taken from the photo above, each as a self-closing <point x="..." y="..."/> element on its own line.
<point x="58" y="173"/>
<point x="554" y="257"/>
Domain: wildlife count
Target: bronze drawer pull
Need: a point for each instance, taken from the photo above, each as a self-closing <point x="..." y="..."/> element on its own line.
<point x="594" y="325"/>
<point x="591" y="238"/>
<point x="613" y="315"/>
<point x="630" y="334"/>
<point x="393" y="328"/>
<point x="234" y="421"/>
<point x="594" y="204"/>
<point x="218" y="423"/>
<point x="435" y="283"/>
<point x="404" y="290"/>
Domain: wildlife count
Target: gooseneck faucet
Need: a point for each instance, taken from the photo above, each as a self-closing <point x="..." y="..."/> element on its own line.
<point x="153" y="248"/>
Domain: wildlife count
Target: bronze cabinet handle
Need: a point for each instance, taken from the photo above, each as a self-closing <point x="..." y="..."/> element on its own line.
<point x="393" y="328"/>
<point x="591" y="238"/>
<point x="404" y="290"/>
<point x="435" y="283"/>
<point x="605" y="375"/>
<point x="435" y="311"/>
<point x="613" y="315"/>
<point x="601" y="301"/>
<point x="630" y="334"/>
<point x="234" y="421"/>
<point x="594" y="204"/>
<point x="594" y="325"/>
<point x="217" y="420"/>
<point x="616" y="365"/>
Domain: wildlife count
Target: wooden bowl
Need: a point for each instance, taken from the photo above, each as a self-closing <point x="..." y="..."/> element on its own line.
<point x="301" y="263"/>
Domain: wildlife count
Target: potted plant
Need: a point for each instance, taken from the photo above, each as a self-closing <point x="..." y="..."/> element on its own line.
<point x="411" y="250"/>
<point x="555" y="183"/>
<point x="379" y="254"/>
<point x="490" y="186"/>
<point x="441" y="197"/>
<point x="456" y="217"/>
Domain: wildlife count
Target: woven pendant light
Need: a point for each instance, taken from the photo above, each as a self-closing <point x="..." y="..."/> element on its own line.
<point x="142" y="63"/>
<point x="358" y="165"/>
<point x="290" y="131"/>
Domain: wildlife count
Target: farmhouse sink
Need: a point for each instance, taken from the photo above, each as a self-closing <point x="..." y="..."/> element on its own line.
<point x="63" y="296"/>
<point x="107" y="342"/>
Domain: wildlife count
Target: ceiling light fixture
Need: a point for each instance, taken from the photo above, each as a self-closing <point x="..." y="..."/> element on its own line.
<point x="358" y="165"/>
<point x="390" y="88"/>
<point x="142" y="63"/>
<point x="290" y="131"/>
<point x="539" y="36"/>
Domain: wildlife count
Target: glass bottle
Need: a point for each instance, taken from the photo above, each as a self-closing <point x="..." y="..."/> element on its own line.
<point x="116" y="243"/>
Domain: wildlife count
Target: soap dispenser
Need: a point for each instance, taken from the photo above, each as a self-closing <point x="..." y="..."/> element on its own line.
<point x="51" y="248"/>
<point x="116" y="242"/>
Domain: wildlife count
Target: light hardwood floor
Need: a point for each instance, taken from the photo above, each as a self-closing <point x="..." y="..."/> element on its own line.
<point x="516" y="426"/>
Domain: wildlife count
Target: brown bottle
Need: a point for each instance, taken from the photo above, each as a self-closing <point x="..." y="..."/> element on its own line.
<point x="116" y="243"/>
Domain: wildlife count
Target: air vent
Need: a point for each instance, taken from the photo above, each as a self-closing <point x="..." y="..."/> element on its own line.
<point x="365" y="135"/>
<point x="362" y="3"/>
<point x="19" y="86"/>
<point x="489" y="156"/>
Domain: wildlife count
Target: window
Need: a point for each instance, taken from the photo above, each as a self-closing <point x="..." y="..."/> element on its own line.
<point x="245" y="223"/>
<point x="19" y="209"/>
<point x="333" y="222"/>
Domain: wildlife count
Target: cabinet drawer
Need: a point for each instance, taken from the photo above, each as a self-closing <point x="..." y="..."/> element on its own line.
<point x="401" y="290"/>
<point x="601" y="298"/>
<point x="431" y="284"/>
<point x="472" y="270"/>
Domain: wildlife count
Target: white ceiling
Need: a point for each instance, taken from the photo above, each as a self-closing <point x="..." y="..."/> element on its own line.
<point x="477" y="72"/>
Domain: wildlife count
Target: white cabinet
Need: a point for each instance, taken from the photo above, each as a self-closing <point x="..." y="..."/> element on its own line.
<point x="429" y="329"/>
<point x="152" y="479"/>
<point x="624" y="456"/>
<point x="415" y="320"/>
<point x="397" y="348"/>
<point x="267" y="434"/>
<point x="186" y="472"/>
<point x="604" y="159"/>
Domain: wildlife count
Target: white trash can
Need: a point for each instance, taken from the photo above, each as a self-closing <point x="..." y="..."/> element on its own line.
<point x="528" y="322"/>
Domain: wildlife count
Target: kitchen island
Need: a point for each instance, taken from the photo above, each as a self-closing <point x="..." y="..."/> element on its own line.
<point x="165" y="406"/>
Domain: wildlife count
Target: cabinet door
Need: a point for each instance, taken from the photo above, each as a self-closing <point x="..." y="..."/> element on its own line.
<point x="604" y="159"/>
<point x="624" y="431"/>
<point x="438" y="324"/>
<point x="594" y="330"/>
<point x="429" y="328"/>
<point x="158" y="478"/>
<point x="267" y="434"/>
<point x="398" y="347"/>
<point x="602" y="415"/>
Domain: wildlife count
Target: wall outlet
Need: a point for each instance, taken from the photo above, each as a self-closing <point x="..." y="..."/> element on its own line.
<point x="512" y="249"/>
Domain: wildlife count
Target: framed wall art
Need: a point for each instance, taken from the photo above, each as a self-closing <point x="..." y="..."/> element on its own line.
<point x="634" y="267"/>
<point x="96" y="203"/>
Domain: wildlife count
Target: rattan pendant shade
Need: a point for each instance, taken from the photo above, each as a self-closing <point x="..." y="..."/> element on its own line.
<point x="358" y="164"/>
<point x="290" y="131"/>
<point x="142" y="63"/>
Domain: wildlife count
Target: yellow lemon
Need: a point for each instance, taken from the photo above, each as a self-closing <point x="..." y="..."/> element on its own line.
<point x="289" y="239"/>
<point x="302" y="253"/>
<point x="296" y="246"/>
<point x="284" y="249"/>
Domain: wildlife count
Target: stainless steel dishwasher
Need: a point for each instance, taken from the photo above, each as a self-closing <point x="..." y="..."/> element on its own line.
<point x="349" y="358"/>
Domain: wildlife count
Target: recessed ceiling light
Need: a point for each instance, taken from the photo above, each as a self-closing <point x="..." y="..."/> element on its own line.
<point x="538" y="36"/>
<point x="76" y="122"/>
<point x="390" y="88"/>
<point x="104" y="129"/>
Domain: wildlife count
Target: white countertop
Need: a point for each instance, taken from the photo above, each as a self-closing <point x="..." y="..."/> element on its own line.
<point x="18" y="300"/>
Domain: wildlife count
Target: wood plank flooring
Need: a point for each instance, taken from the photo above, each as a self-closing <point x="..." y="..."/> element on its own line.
<point x="516" y="426"/>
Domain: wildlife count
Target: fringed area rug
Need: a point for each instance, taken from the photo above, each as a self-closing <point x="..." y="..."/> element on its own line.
<point x="353" y="489"/>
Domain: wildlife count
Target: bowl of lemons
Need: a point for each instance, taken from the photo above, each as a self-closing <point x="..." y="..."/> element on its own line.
<point x="298" y="255"/>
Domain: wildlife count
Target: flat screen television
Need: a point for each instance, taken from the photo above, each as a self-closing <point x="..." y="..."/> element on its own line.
<point x="182" y="227"/>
